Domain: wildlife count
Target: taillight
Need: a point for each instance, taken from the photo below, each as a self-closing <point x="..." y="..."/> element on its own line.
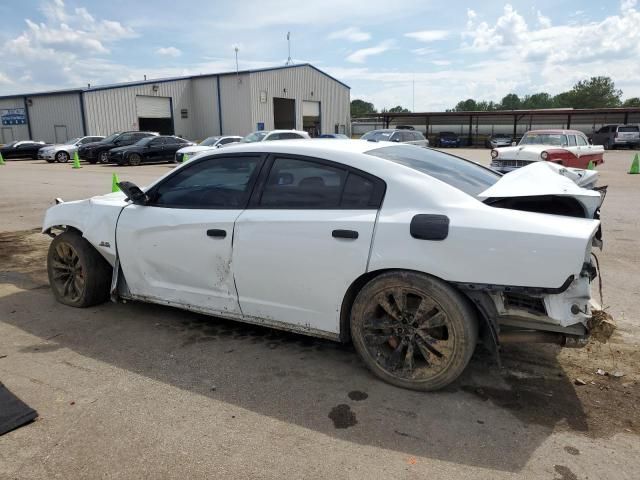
<point x="544" y="155"/>
<point x="494" y="154"/>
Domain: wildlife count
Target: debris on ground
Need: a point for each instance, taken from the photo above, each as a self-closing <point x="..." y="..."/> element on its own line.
<point x="579" y="381"/>
<point x="601" y="372"/>
<point x="601" y="325"/>
<point x="617" y="374"/>
<point x="14" y="412"/>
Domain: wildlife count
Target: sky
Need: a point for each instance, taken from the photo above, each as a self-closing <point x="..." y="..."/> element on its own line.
<point x="424" y="55"/>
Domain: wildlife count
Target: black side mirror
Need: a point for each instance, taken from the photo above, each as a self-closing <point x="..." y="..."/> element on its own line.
<point x="134" y="193"/>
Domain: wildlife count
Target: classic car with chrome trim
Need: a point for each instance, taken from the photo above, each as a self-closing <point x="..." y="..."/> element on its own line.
<point x="569" y="148"/>
<point x="412" y="254"/>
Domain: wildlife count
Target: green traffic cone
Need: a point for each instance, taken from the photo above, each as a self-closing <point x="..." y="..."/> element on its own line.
<point x="591" y="165"/>
<point x="114" y="183"/>
<point x="2" y="160"/>
<point x="635" y="165"/>
<point x="76" y="160"/>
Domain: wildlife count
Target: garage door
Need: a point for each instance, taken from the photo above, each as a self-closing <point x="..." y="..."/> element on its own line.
<point x="153" y="107"/>
<point x="310" y="109"/>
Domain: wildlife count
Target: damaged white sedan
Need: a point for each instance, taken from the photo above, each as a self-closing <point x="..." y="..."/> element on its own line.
<point x="410" y="253"/>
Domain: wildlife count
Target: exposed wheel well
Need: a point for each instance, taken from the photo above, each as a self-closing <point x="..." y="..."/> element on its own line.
<point x="362" y="280"/>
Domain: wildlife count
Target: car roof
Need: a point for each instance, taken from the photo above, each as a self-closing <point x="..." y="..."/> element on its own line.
<point x="557" y="131"/>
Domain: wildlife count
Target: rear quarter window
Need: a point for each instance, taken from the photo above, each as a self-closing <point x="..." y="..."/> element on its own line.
<point x="629" y="129"/>
<point x="462" y="174"/>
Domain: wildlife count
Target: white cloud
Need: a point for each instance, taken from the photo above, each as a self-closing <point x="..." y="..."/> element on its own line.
<point x="441" y="63"/>
<point x="423" y="51"/>
<point x="352" y="34"/>
<point x="428" y="35"/>
<point x="169" y="52"/>
<point x="360" y="56"/>
<point x="544" y="22"/>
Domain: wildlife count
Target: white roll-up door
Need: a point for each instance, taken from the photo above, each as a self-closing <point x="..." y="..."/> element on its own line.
<point x="310" y="109"/>
<point x="153" y="107"/>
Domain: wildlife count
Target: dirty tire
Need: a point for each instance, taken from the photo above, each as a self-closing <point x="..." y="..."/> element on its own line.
<point x="413" y="330"/>
<point x="104" y="157"/>
<point x="134" y="160"/>
<point x="79" y="276"/>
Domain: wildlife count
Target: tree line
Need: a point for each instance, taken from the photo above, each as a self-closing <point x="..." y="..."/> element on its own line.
<point x="596" y="92"/>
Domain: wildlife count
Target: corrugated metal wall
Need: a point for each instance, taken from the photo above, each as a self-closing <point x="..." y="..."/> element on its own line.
<point x="235" y="96"/>
<point x="205" y="119"/>
<point x="303" y="83"/>
<point x="110" y="110"/>
<point x="62" y="110"/>
<point x="17" y="132"/>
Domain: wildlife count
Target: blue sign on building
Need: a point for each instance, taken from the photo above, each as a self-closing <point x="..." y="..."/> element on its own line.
<point x="13" y="116"/>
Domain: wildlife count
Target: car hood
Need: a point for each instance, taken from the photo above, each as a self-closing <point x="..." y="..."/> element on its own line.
<point x="545" y="178"/>
<point x="195" y="149"/>
<point x="523" y="152"/>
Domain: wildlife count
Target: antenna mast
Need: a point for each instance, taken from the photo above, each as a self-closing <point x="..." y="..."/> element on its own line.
<point x="289" y="48"/>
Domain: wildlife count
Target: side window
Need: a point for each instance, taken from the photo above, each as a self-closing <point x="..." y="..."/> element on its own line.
<point x="216" y="183"/>
<point x="170" y="140"/>
<point x="359" y="193"/>
<point x="274" y="136"/>
<point x="127" y="138"/>
<point x="290" y="136"/>
<point x="572" y="140"/>
<point x="157" y="142"/>
<point x="395" y="137"/>
<point x="582" y="141"/>
<point x="418" y="135"/>
<point x="296" y="183"/>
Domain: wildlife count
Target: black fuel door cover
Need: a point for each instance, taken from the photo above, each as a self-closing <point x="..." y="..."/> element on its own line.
<point x="429" y="227"/>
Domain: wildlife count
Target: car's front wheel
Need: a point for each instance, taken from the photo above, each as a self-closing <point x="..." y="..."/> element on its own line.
<point x="62" y="157"/>
<point x="79" y="276"/>
<point x="413" y="330"/>
<point x="104" y="157"/>
<point x="134" y="159"/>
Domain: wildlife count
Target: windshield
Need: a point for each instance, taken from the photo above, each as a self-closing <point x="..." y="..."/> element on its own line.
<point x="207" y="142"/>
<point x="111" y="137"/>
<point x="11" y="144"/>
<point x="254" y="137"/>
<point x="462" y="174"/>
<point x="628" y="129"/>
<point x="501" y="135"/>
<point x="378" y="135"/>
<point x="447" y="134"/>
<point x="555" y="139"/>
<point x="73" y="140"/>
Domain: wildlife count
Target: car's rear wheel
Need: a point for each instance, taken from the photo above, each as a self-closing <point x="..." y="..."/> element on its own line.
<point x="134" y="159"/>
<point x="607" y="145"/>
<point x="104" y="157"/>
<point x="62" y="157"/>
<point x="413" y="330"/>
<point x="78" y="274"/>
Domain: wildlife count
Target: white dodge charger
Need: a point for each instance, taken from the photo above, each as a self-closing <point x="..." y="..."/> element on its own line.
<point x="410" y="253"/>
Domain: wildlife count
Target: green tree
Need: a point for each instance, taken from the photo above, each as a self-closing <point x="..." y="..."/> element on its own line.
<point x="632" y="102"/>
<point x="563" y="100"/>
<point x="468" y="105"/>
<point x="510" y="102"/>
<point x="361" y="108"/>
<point x="398" y="109"/>
<point x="537" y="100"/>
<point x="597" y="92"/>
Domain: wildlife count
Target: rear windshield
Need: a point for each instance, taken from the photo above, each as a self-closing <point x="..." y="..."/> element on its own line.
<point x="462" y="174"/>
<point x="630" y="128"/>
<point x="447" y="134"/>
<point x="378" y="135"/>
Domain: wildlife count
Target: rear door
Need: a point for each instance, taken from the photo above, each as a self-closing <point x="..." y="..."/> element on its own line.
<point x="176" y="250"/>
<point x="304" y="238"/>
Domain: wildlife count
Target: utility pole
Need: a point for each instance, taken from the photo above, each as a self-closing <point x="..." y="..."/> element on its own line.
<point x="289" y="48"/>
<point x="237" y="69"/>
<point x="413" y="95"/>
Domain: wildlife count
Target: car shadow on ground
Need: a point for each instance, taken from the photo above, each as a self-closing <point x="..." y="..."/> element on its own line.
<point x="312" y="383"/>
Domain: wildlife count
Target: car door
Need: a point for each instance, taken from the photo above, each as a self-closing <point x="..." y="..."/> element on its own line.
<point x="587" y="152"/>
<point x="304" y="238"/>
<point x="155" y="150"/>
<point x="176" y="249"/>
<point x="171" y="146"/>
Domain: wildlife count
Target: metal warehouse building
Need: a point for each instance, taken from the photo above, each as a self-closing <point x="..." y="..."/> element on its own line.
<point x="232" y="103"/>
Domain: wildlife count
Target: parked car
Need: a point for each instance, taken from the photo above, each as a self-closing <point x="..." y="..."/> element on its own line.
<point x="498" y="140"/>
<point x="447" y="139"/>
<point x="209" y="143"/>
<point x="99" y="151"/>
<point x="614" y="136"/>
<point x="22" y="149"/>
<point x="394" y="135"/>
<point x="63" y="152"/>
<point x="265" y="136"/>
<point x="569" y="148"/>
<point x="405" y="127"/>
<point x="160" y="148"/>
<point x="411" y="253"/>
<point x="341" y="136"/>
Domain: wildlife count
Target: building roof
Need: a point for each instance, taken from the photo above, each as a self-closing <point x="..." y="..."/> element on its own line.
<point x="169" y="79"/>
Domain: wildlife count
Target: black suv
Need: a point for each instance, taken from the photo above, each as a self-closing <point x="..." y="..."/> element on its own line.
<point x="99" y="151"/>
